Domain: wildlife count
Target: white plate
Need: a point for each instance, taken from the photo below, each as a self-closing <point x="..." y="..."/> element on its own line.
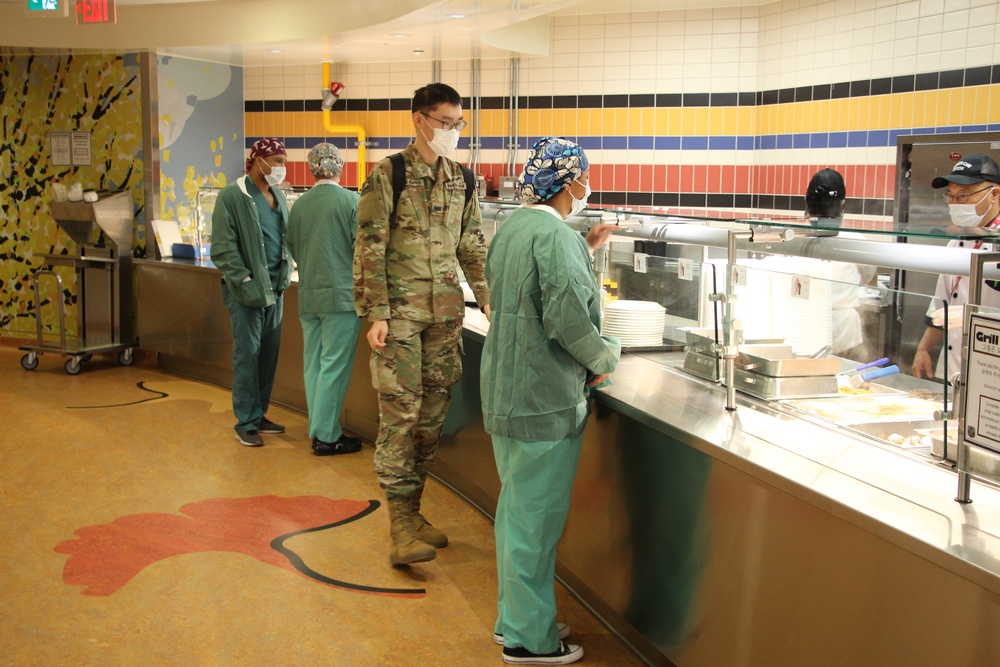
<point x="634" y="306"/>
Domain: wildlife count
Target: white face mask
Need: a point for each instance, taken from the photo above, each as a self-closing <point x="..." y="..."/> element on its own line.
<point x="444" y="141"/>
<point x="276" y="176"/>
<point x="965" y="215"/>
<point x="578" y="204"/>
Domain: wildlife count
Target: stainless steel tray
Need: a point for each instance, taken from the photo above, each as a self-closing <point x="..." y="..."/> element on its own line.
<point x="981" y="461"/>
<point x="703" y="365"/>
<point x="868" y="408"/>
<point x="776" y="388"/>
<point x="703" y="340"/>
<point x="780" y="361"/>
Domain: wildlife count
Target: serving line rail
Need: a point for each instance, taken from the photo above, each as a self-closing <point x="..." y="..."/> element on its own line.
<point x="767" y="521"/>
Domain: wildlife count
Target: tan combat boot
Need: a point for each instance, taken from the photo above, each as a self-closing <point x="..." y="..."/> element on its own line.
<point x="406" y="547"/>
<point x="425" y="531"/>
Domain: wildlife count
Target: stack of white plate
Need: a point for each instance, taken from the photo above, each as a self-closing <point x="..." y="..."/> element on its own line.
<point x="636" y="323"/>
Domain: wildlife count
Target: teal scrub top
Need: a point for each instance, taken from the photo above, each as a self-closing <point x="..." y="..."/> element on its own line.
<point x="322" y="229"/>
<point x="544" y="331"/>
<point x="270" y="225"/>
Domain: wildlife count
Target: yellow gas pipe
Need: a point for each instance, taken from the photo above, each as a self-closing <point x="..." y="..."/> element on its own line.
<point x="333" y="128"/>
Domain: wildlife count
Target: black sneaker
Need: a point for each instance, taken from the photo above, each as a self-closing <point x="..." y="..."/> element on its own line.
<point x="564" y="655"/>
<point x="563" y="629"/>
<point x="268" y="426"/>
<point x="321" y="448"/>
<point x="249" y="438"/>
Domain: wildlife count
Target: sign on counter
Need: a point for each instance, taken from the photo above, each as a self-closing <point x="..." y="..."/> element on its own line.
<point x="982" y="389"/>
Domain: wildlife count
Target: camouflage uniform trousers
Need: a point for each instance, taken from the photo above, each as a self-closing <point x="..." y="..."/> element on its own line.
<point x="413" y="374"/>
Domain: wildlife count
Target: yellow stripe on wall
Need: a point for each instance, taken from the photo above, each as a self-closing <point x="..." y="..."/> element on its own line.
<point x="975" y="105"/>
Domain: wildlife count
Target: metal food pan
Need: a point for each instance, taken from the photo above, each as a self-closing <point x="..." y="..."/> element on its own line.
<point x="777" y="388"/>
<point x="981" y="461"/>
<point x="703" y="340"/>
<point x="780" y="361"/>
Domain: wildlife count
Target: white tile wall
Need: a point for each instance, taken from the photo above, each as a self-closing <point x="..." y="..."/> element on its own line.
<point x="788" y="43"/>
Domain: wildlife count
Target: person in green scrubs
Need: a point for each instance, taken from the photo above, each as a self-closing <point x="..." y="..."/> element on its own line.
<point x="248" y="246"/>
<point x="543" y="352"/>
<point x="322" y="227"/>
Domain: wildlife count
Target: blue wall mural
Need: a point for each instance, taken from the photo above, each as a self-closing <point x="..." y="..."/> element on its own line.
<point x="201" y="132"/>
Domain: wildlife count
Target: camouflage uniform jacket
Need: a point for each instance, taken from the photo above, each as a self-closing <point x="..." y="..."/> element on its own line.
<point x="409" y="269"/>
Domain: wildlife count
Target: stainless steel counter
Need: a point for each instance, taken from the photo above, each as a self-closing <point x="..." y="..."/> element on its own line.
<point x="703" y="537"/>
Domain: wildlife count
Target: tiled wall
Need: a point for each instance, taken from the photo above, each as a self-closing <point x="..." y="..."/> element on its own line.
<point x="731" y="107"/>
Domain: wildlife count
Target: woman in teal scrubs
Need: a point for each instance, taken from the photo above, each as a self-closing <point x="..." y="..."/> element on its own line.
<point x="543" y="350"/>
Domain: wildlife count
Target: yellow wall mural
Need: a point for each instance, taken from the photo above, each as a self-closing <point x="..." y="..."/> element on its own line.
<point x="99" y="94"/>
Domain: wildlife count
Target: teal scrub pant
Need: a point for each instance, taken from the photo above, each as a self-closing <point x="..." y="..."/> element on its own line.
<point x="256" y="339"/>
<point x="330" y="341"/>
<point x="536" y="482"/>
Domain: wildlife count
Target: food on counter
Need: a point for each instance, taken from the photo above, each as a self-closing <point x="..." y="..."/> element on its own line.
<point x="909" y="440"/>
<point x="845" y="389"/>
<point x="873" y="408"/>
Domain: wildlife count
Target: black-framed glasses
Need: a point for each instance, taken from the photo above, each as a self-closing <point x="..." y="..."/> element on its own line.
<point x="962" y="198"/>
<point x="447" y="124"/>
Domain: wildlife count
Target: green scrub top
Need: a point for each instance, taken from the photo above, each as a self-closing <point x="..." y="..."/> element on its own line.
<point x="545" y="328"/>
<point x="270" y="225"/>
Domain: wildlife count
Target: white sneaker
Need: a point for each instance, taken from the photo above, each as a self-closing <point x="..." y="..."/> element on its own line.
<point x="562" y="627"/>
<point x="564" y="655"/>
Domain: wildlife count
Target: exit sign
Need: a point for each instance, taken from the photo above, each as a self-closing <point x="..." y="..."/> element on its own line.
<point x="95" y="11"/>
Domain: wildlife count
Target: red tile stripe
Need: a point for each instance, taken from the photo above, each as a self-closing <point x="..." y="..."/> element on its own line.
<point x="863" y="181"/>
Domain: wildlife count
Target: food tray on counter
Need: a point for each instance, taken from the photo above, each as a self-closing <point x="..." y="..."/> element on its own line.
<point x="779" y="361"/>
<point x="704" y="341"/>
<point x="778" y="388"/>
<point x="867" y="408"/>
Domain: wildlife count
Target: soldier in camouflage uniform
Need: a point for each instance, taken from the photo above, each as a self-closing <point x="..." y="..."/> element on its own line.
<point x="406" y="283"/>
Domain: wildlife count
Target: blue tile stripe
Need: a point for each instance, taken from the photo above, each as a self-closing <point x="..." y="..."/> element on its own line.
<point x="853" y="139"/>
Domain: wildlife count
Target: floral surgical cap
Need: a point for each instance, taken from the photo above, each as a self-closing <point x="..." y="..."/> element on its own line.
<point x="265" y="148"/>
<point x="325" y="161"/>
<point x="552" y="164"/>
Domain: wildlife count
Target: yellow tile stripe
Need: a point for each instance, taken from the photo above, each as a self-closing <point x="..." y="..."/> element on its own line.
<point x="959" y="106"/>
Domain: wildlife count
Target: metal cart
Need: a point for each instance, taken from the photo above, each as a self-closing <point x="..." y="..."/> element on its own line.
<point x="103" y="278"/>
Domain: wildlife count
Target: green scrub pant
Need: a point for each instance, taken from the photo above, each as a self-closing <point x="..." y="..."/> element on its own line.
<point x="256" y="339"/>
<point x="330" y="341"/>
<point x="536" y="481"/>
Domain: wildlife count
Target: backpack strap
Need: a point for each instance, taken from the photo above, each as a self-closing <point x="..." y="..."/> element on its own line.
<point x="399" y="182"/>
<point x="470" y="183"/>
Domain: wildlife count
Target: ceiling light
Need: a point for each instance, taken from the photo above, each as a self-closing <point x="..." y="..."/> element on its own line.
<point x="456" y="16"/>
<point x="399" y="35"/>
<point x="275" y="50"/>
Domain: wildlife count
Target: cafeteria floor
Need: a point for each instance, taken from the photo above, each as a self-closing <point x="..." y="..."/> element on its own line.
<point x="137" y="531"/>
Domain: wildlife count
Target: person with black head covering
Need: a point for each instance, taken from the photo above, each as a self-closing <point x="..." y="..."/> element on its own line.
<point x="825" y="197"/>
<point x="972" y="192"/>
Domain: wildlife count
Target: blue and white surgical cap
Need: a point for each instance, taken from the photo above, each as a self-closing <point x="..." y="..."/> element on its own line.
<point x="552" y="165"/>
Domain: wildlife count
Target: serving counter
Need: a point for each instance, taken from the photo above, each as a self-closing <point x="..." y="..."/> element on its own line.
<point x="703" y="536"/>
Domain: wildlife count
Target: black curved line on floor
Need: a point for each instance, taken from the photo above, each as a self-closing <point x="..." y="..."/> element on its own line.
<point x="278" y="544"/>
<point x="141" y="385"/>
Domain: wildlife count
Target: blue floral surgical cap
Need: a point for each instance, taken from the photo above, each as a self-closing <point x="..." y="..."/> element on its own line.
<point x="325" y="161"/>
<point x="552" y="164"/>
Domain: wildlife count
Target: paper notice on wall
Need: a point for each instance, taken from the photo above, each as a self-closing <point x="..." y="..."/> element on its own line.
<point x="62" y="156"/>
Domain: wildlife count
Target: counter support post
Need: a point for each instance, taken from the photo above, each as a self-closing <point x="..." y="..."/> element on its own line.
<point x="732" y="330"/>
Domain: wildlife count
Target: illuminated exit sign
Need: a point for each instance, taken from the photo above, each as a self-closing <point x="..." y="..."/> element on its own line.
<point x="95" y="11"/>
